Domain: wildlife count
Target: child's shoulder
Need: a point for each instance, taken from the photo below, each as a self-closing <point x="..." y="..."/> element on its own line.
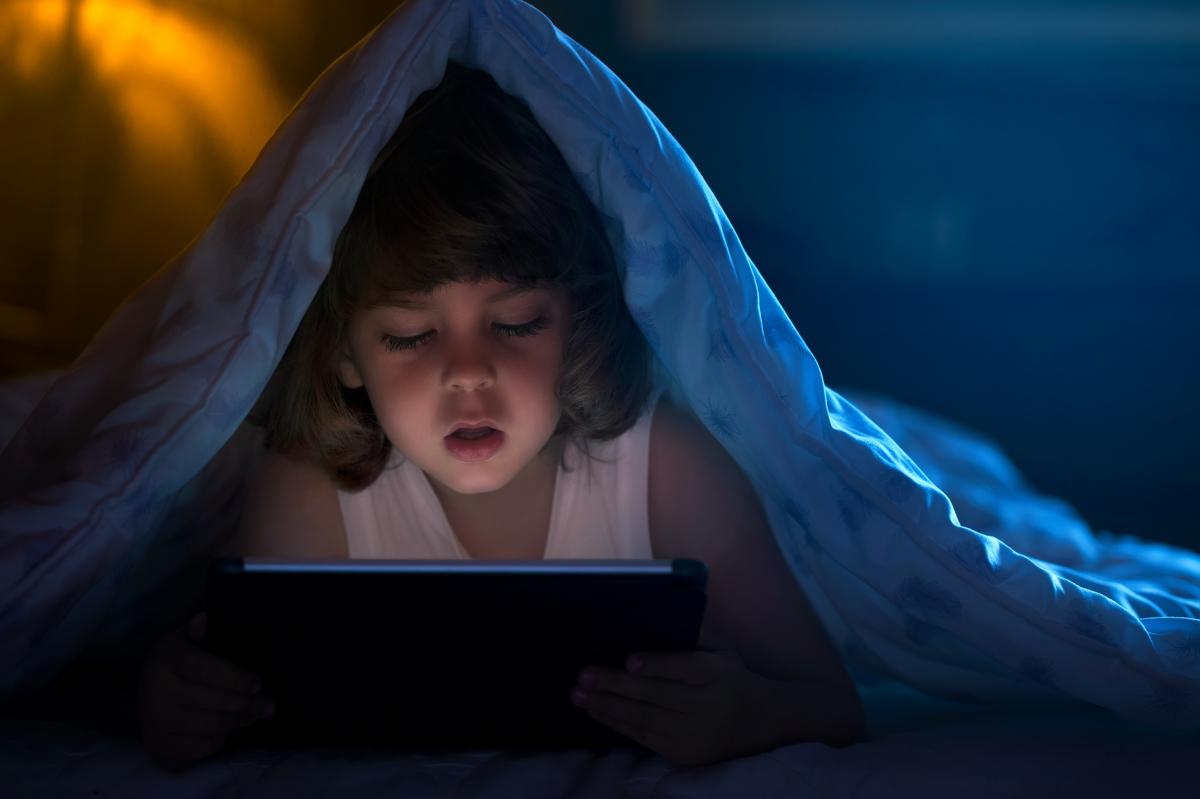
<point x="291" y="510"/>
<point x="677" y="437"/>
<point x="691" y="475"/>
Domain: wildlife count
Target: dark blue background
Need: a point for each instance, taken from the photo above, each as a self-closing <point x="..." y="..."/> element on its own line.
<point x="1007" y="235"/>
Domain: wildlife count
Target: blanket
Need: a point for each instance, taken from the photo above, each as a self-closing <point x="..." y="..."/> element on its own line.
<point x="122" y="478"/>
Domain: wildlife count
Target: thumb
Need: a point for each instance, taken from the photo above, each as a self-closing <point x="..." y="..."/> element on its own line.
<point x="198" y="627"/>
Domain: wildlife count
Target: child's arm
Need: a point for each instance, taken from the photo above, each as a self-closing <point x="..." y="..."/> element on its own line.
<point x="189" y="699"/>
<point x="291" y="511"/>
<point x="774" y="677"/>
<point x="702" y="506"/>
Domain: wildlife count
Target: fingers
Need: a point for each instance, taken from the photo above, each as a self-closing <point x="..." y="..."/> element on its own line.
<point x="216" y="723"/>
<point x="681" y="738"/>
<point x="204" y="697"/>
<point x="666" y="694"/>
<point x="651" y="726"/>
<point x="692" y="668"/>
<point x="173" y="733"/>
<point x="198" y="723"/>
<point x="182" y="730"/>
<point x="201" y="667"/>
<point x="190" y="700"/>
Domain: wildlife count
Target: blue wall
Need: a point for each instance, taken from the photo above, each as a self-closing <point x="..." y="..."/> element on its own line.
<point x="1001" y="225"/>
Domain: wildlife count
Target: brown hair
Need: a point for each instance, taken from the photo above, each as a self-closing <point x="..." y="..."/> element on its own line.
<point x="468" y="188"/>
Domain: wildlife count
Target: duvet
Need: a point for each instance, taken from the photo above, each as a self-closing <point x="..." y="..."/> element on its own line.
<point x="927" y="558"/>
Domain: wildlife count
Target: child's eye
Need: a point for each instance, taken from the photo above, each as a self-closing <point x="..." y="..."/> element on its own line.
<point x="527" y="329"/>
<point x="395" y="343"/>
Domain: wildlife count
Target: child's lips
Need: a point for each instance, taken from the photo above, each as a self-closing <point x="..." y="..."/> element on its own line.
<point x="472" y="424"/>
<point x="474" y="449"/>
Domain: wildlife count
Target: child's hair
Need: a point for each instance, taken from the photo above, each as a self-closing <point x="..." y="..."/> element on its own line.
<point x="468" y="188"/>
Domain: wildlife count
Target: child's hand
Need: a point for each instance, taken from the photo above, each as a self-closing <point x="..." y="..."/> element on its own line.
<point x="693" y="708"/>
<point x="190" y="700"/>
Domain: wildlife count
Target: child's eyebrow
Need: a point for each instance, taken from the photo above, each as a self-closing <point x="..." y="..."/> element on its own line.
<point x="416" y="304"/>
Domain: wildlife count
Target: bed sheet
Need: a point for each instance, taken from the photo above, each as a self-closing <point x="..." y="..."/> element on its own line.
<point x="928" y="748"/>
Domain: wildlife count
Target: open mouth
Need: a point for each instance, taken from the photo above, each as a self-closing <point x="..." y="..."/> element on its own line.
<point x="470" y="433"/>
<point x="474" y="443"/>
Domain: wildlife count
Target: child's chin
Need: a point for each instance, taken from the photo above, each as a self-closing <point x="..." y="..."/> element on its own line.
<point x="481" y="477"/>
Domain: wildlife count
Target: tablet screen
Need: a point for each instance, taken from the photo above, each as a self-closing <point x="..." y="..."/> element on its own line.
<point x="441" y="653"/>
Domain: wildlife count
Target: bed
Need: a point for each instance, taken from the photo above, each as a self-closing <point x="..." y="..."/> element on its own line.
<point x="919" y="747"/>
<point x="999" y="644"/>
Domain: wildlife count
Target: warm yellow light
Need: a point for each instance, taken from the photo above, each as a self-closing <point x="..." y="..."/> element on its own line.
<point x="31" y="32"/>
<point x="177" y="80"/>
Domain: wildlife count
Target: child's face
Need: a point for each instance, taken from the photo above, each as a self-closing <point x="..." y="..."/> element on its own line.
<point x="461" y="361"/>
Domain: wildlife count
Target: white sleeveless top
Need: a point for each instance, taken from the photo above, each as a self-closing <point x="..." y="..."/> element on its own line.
<point x="599" y="509"/>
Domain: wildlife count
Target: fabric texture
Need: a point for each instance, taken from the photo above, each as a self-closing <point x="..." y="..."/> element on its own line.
<point x="123" y="476"/>
<point x="599" y="508"/>
<point x="996" y="755"/>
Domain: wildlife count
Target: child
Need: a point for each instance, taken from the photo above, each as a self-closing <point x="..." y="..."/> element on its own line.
<point x="469" y="373"/>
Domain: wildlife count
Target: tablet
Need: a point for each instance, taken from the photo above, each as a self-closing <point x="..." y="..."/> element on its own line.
<point x="443" y="653"/>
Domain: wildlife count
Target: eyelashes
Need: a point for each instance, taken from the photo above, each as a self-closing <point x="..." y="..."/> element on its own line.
<point x="396" y="343"/>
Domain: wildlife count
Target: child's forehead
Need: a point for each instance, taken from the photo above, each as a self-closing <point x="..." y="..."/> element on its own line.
<point x="489" y="291"/>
